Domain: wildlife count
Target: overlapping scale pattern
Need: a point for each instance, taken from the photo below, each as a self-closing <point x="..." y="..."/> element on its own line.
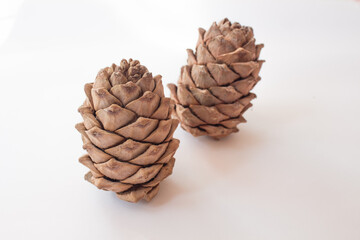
<point x="213" y="90"/>
<point x="127" y="131"/>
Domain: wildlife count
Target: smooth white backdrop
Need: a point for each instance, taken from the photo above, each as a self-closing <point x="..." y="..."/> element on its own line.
<point x="292" y="172"/>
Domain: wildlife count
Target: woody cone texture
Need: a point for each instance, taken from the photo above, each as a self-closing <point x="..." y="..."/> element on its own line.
<point x="127" y="132"/>
<point x="213" y="90"/>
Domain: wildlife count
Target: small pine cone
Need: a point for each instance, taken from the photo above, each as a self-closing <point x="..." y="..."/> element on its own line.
<point x="213" y="90"/>
<point x="127" y="131"/>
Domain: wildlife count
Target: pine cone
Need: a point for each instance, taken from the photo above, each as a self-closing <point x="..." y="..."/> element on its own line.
<point x="127" y="131"/>
<point x="213" y="90"/>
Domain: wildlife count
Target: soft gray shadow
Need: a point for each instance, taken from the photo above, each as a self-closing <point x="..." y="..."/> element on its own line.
<point x="227" y="154"/>
<point x="169" y="190"/>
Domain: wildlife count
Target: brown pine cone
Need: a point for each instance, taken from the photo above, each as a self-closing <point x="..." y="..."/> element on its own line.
<point x="213" y="90"/>
<point x="127" y="131"/>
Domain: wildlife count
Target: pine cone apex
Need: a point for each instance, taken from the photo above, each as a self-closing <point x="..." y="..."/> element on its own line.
<point x="127" y="131"/>
<point x="214" y="87"/>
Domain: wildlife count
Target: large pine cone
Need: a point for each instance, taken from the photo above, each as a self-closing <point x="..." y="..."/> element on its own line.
<point x="214" y="87"/>
<point x="127" y="131"/>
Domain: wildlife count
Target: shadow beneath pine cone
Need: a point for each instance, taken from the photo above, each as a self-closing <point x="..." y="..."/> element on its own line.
<point x="169" y="189"/>
<point x="227" y="154"/>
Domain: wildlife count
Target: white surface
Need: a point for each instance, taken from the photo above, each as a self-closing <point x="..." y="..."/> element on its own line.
<point x="292" y="172"/>
<point x="8" y="12"/>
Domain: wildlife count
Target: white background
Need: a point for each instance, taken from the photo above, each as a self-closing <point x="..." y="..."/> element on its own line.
<point x="291" y="173"/>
